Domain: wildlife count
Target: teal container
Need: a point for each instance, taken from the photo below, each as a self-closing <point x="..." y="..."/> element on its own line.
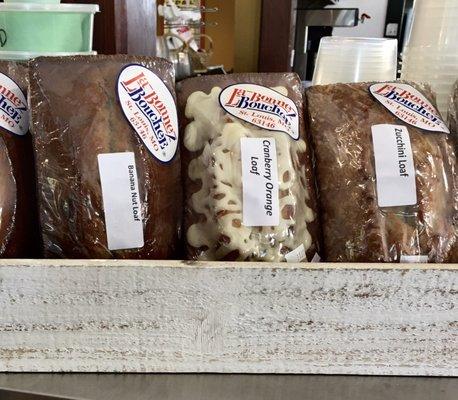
<point x="45" y="26"/>
<point x="27" y="55"/>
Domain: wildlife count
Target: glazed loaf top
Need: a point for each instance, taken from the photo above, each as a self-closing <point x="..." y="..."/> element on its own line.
<point x="212" y="168"/>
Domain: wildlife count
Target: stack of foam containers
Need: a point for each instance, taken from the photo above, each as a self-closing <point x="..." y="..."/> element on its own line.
<point x="431" y="54"/>
<point x="347" y="59"/>
<point x="32" y="28"/>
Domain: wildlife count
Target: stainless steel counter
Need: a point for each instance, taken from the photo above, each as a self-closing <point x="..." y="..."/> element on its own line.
<point x="225" y="387"/>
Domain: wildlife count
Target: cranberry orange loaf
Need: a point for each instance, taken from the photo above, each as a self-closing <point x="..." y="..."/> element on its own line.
<point x="18" y="225"/>
<point x="247" y="169"/>
<point x="105" y="137"/>
<point x="385" y="169"/>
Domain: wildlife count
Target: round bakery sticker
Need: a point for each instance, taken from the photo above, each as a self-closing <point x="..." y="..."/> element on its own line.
<point x="14" y="114"/>
<point x="150" y="109"/>
<point x="261" y="106"/>
<point x="409" y="105"/>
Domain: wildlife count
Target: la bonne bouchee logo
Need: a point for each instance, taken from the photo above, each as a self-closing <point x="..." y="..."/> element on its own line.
<point x="149" y="104"/>
<point x="406" y="96"/>
<point x="242" y="98"/>
<point x="14" y="114"/>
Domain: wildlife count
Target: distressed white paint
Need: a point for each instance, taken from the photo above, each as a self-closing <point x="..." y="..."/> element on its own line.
<point x="170" y="316"/>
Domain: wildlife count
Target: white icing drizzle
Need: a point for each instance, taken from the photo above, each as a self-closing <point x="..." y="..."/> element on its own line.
<point x="219" y="169"/>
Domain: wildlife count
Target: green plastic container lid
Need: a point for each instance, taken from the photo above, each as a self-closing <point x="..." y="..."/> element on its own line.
<point x="27" y="55"/>
<point x="33" y="1"/>
<point x="47" y="6"/>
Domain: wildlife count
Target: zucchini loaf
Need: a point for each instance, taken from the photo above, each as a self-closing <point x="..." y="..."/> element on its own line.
<point x="368" y="213"/>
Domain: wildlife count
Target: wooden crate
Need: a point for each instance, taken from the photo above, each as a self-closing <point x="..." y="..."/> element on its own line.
<point x="176" y="316"/>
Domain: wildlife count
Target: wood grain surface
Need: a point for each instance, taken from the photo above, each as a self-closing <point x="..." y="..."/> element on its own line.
<point x="172" y="316"/>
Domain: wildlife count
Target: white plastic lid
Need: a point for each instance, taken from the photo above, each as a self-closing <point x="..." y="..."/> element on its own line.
<point x="48" y="6"/>
<point x="356" y="43"/>
<point x="27" y="55"/>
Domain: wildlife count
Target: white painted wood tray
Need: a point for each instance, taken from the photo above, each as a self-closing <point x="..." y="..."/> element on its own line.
<point x="173" y="316"/>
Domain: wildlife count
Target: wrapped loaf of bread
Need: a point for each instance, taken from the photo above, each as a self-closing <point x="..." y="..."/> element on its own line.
<point x="453" y="110"/>
<point x="247" y="169"/>
<point x="18" y="226"/>
<point x="453" y="123"/>
<point x="105" y="139"/>
<point x="385" y="167"/>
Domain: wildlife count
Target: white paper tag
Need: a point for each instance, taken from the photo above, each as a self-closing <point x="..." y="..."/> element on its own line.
<point x="316" y="258"/>
<point x="414" y="259"/>
<point x="121" y="201"/>
<point x="260" y="182"/>
<point x="409" y="105"/>
<point x="150" y="109"/>
<point x="262" y="107"/>
<point x="296" y="255"/>
<point x="394" y="167"/>
<point x="14" y="114"/>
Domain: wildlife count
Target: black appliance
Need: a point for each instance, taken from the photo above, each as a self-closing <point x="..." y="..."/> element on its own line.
<point x="312" y="24"/>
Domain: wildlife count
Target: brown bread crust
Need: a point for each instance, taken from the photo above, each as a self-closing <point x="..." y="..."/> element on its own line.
<point x="18" y="223"/>
<point x="76" y="116"/>
<point x="354" y="227"/>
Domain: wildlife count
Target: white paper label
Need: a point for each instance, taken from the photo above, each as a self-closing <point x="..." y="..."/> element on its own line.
<point x="296" y="255"/>
<point x="14" y="114"/>
<point x="409" y="105"/>
<point x="394" y="166"/>
<point x="414" y="259"/>
<point x="262" y="107"/>
<point x="316" y="258"/>
<point x="260" y="182"/>
<point x="121" y="201"/>
<point x="150" y="109"/>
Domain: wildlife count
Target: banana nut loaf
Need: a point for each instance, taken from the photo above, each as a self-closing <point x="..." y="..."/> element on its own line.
<point x="358" y="225"/>
<point x="105" y="142"/>
<point x="18" y="225"/>
<point x="218" y="115"/>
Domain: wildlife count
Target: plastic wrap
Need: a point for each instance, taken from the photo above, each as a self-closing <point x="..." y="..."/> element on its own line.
<point x="453" y="123"/>
<point x="217" y="225"/>
<point x="84" y="108"/>
<point x="453" y="110"/>
<point x="355" y="226"/>
<point x="18" y="226"/>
